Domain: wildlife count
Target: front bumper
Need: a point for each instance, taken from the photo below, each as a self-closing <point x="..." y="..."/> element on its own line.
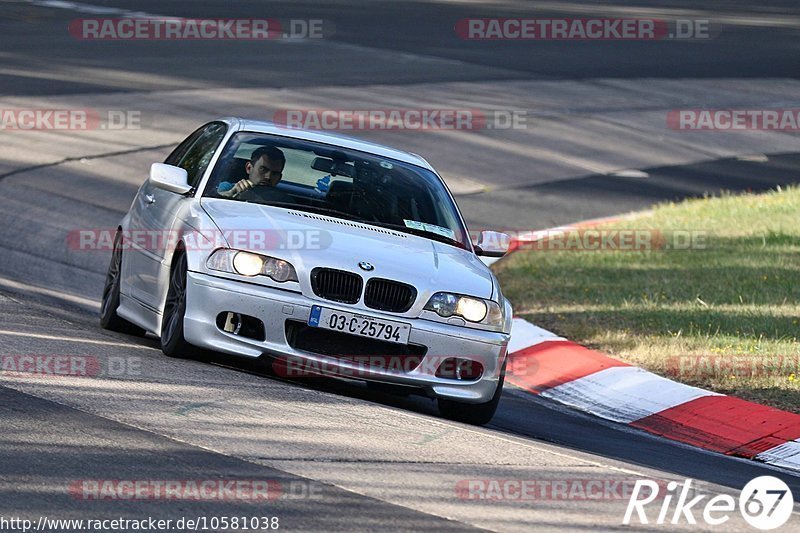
<point x="208" y="296"/>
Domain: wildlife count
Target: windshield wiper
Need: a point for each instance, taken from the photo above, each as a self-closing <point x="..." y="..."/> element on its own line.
<point x="419" y="232"/>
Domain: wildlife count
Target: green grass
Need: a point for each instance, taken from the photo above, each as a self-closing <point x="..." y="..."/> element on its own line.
<point x="734" y="302"/>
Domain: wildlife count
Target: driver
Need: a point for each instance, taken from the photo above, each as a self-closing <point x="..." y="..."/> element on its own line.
<point x="264" y="171"/>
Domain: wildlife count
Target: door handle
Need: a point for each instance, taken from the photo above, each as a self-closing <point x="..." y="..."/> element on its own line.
<point x="150" y="199"/>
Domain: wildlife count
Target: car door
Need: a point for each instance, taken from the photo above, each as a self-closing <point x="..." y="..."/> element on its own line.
<point x="155" y="210"/>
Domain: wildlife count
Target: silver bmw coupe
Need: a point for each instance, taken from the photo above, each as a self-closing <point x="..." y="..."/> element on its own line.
<point x="327" y="255"/>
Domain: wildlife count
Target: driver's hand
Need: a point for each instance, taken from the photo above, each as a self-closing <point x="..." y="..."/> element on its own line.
<point x="239" y="188"/>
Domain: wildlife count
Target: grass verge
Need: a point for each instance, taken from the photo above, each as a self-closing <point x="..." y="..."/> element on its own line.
<point x="716" y="304"/>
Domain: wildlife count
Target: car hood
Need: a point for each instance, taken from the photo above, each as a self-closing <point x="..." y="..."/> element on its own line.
<point x="310" y="240"/>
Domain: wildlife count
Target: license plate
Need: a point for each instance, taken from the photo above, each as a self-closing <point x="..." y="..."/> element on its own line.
<point x="363" y="326"/>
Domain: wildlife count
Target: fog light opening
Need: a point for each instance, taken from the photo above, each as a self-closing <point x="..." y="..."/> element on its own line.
<point x="459" y="369"/>
<point x="241" y="325"/>
<point x="233" y="323"/>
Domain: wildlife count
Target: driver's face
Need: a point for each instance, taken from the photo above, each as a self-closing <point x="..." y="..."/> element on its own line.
<point x="264" y="172"/>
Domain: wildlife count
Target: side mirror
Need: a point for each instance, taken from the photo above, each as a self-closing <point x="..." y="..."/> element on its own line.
<point x="169" y="178"/>
<point x="492" y="244"/>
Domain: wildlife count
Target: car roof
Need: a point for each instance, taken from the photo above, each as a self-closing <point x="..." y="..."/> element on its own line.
<point x="262" y="126"/>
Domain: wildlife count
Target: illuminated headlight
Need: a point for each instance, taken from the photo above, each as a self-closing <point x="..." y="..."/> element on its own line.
<point x="472" y="309"/>
<point x="250" y="264"/>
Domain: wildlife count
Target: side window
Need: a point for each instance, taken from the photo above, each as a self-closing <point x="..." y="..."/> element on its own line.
<point x="195" y="153"/>
<point x="177" y="154"/>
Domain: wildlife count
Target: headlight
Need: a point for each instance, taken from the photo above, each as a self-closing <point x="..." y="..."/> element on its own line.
<point x="473" y="309"/>
<point x="279" y="270"/>
<point x="250" y="264"/>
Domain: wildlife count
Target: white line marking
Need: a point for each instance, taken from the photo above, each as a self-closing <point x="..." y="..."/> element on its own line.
<point x="10" y="333"/>
<point x="624" y="394"/>
<point x="786" y="455"/>
<point x="524" y="335"/>
<point x="80" y="300"/>
<point x="629" y="173"/>
<point x="79" y="7"/>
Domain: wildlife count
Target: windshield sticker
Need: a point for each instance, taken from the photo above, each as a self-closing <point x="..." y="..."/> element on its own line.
<point x="430" y="228"/>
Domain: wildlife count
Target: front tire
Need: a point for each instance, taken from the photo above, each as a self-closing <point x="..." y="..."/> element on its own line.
<point x="476" y="414"/>
<point x="173" y="343"/>
<point x="109" y="319"/>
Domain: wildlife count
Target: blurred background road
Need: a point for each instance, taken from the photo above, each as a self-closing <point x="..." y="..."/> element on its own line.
<point x="595" y="142"/>
<point x="594" y="109"/>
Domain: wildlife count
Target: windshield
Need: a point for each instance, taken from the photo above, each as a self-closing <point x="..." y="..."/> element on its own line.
<point x="341" y="183"/>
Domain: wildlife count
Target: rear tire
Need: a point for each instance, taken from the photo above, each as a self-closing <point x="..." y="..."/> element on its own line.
<point x="476" y="414"/>
<point x="109" y="319"/>
<point x="173" y="343"/>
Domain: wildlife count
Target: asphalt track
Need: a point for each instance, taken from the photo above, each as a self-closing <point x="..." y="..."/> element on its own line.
<point x="378" y="461"/>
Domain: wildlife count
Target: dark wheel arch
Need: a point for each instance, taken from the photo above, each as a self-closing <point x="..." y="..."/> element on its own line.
<point x="173" y="342"/>
<point x="109" y="319"/>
